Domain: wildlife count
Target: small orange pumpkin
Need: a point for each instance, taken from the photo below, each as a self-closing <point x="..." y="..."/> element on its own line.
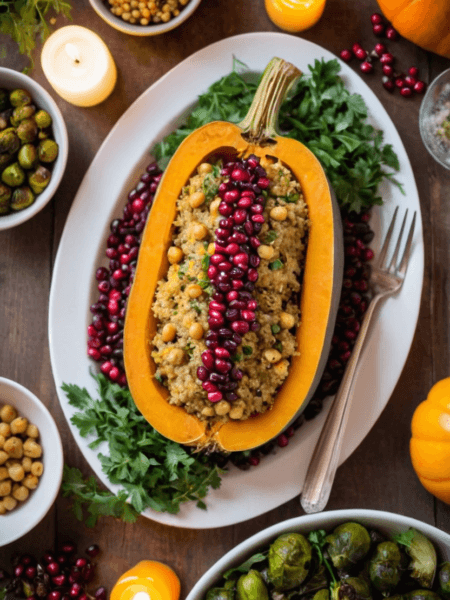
<point x="424" y="22"/>
<point x="148" y="580"/>
<point x="430" y="442"/>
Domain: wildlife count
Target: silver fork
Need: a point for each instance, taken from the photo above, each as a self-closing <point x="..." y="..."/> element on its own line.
<point x="386" y="279"/>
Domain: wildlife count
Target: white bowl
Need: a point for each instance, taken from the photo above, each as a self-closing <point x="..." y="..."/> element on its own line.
<point x="10" y="80"/>
<point x="385" y="522"/>
<point x="142" y="30"/>
<point x="18" y="522"/>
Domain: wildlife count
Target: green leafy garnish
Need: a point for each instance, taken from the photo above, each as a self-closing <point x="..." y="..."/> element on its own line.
<point x="276" y="264"/>
<point x="279" y="346"/>
<point x="318" y="542"/>
<point x="189" y="349"/>
<point x="195" y="305"/>
<point x="247" y="565"/>
<point x="292" y="197"/>
<point x="405" y="538"/>
<point x="152" y="471"/>
<point x="275" y="329"/>
<point x="271" y="236"/>
<point x="159" y="378"/>
<point x="210" y="187"/>
<point x="182" y="269"/>
<point x="247" y="350"/>
<point x="236" y="358"/>
<point x="25" y="20"/>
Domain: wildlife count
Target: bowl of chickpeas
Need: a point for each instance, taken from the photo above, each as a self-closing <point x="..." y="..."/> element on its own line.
<point x="31" y="461"/>
<point x="144" y="17"/>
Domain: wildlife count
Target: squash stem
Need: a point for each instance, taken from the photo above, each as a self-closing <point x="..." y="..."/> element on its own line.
<point x="260" y="123"/>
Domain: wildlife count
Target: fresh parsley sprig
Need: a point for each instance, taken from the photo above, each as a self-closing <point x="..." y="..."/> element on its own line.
<point x="318" y="542"/>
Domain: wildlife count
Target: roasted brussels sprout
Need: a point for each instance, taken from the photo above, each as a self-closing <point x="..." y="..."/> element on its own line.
<point x="5" y="195"/>
<point x="22" y="198"/>
<point x="28" y="156"/>
<point x="22" y="112"/>
<point x="424" y="559"/>
<point x="3" y="123"/>
<point x="5" y="160"/>
<point x="4" y="99"/>
<point x="13" y="175"/>
<point x="348" y="544"/>
<point x="43" y="119"/>
<point x="48" y="151"/>
<point x="384" y="567"/>
<point x="251" y="587"/>
<point x="20" y="98"/>
<point x="444" y="580"/>
<point x="39" y="180"/>
<point x="322" y="595"/>
<point x="9" y="141"/>
<point x="220" y="594"/>
<point x="289" y="561"/>
<point x="352" y="588"/>
<point x="421" y="595"/>
<point x="27" y="130"/>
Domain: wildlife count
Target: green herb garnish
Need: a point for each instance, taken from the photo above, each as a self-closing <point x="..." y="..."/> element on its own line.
<point x="205" y="262"/>
<point x="275" y="329"/>
<point x="279" y="346"/>
<point x="247" y="565"/>
<point x="318" y="542"/>
<point x="247" y="350"/>
<point x="271" y="236"/>
<point x="189" y="349"/>
<point x="153" y="471"/>
<point x="292" y="197"/>
<point x="158" y="378"/>
<point x="236" y="358"/>
<point x="195" y="305"/>
<point x="210" y="187"/>
<point x="405" y="538"/>
<point x="276" y="264"/>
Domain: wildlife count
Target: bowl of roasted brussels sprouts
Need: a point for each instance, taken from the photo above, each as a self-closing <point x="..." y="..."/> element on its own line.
<point x="339" y="555"/>
<point x="33" y="147"/>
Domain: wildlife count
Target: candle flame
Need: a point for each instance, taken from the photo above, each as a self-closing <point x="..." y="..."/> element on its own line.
<point x="72" y="52"/>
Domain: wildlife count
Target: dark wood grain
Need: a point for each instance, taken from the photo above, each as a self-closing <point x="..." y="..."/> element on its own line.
<point x="379" y="474"/>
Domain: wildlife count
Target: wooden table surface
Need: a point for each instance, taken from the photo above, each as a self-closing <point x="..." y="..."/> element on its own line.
<point x="379" y="474"/>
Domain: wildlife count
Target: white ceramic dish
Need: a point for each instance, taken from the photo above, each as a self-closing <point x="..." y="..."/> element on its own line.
<point x="385" y="522"/>
<point x="120" y="160"/>
<point x="142" y="30"/>
<point x="28" y="514"/>
<point x="10" y="79"/>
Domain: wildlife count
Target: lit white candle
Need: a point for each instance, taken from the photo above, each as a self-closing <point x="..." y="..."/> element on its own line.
<point x="79" y="66"/>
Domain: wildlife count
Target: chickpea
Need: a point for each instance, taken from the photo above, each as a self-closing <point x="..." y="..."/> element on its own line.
<point x="3" y="457"/>
<point x="32" y="449"/>
<point x="135" y="14"/>
<point x="5" y="430"/>
<point x="208" y="411"/>
<point x="176" y="12"/>
<point x="26" y="464"/>
<point x="2" y="441"/>
<point x="2" y="508"/>
<point x="32" y="431"/>
<point x="174" y="255"/>
<point x="175" y="356"/>
<point x="8" y="413"/>
<point x="16" y="472"/>
<point x="196" y="199"/>
<point x="21" y="493"/>
<point x="168" y="333"/>
<point x="3" y="473"/>
<point x="144" y="22"/>
<point x="265" y="252"/>
<point x="211" y="248"/>
<point x="126" y="6"/>
<point x="281" y="368"/>
<point x="126" y="16"/>
<point x="11" y="462"/>
<point x="194" y="291"/>
<point x="196" y="331"/>
<point x="272" y="355"/>
<point x="165" y="17"/>
<point x="14" y="447"/>
<point x="9" y="502"/>
<point x="37" y="468"/>
<point x="279" y="213"/>
<point x="222" y="408"/>
<point x="287" y="321"/>
<point x="236" y="412"/>
<point x="204" y="168"/>
<point x="19" y="425"/>
<point x="5" y="488"/>
<point x="214" y="207"/>
<point x="30" y="481"/>
<point x="199" y="231"/>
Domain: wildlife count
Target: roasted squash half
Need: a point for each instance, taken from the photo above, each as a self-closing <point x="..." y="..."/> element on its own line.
<point x="322" y="276"/>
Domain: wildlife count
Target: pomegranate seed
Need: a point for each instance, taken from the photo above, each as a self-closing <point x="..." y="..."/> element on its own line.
<point x="253" y="461"/>
<point x="106" y="367"/>
<point x="366" y="67"/>
<point x="406" y="91"/>
<point x="215" y="396"/>
<point x="356" y="47"/>
<point x="369" y="254"/>
<point x="361" y="54"/>
<point x="59" y="580"/>
<point x="419" y="87"/>
<point x="94" y="354"/>
<point x="399" y="82"/>
<point x="83" y="596"/>
<point x="388" y="70"/>
<point x="380" y="49"/>
<point x="75" y="590"/>
<point x="378" y="30"/>
<point x="386" y="58"/>
<point x="81" y="562"/>
<point x="30" y="572"/>
<point x="391" y="33"/>
<point x="413" y="71"/>
<point x="410" y="81"/>
<point x="347" y="56"/>
<point x="48" y="557"/>
<point x="345" y="356"/>
<point x="53" y="568"/>
<point x="19" y="570"/>
<point x="54" y="595"/>
<point x="100" y="594"/>
<point x="376" y="18"/>
<point x="282" y="441"/>
<point x="114" y="374"/>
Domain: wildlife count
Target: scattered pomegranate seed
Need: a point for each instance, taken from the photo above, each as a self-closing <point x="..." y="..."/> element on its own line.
<point x="419" y="87"/>
<point x="410" y="81"/>
<point x="356" y="47"/>
<point x="406" y="91"/>
<point x="346" y="55"/>
<point x="399" y="82"/>
<point x="54" y="595"/>
<point x="388" y="84"/>
<point x="282" y="441"/>
<point x="388" y="70"/>
<point x="413" y="71"/>
<point x="366" y="67"/>
<point x="93" y="550"/>
<point x="361" y="54"/>
<point x="254" y="461"/>
<point x="380" y="49"/>
<point x="376" y="18"/>
<point x="378" y="30"/>
<point x="391" y="33"/>
<point x="386" y="58"/>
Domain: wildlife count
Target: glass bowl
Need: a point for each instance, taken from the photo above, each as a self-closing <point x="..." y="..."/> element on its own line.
<point x="435" y="108"/>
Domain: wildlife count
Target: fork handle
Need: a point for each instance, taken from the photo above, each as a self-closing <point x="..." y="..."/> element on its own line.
<point x="324" y="462"/>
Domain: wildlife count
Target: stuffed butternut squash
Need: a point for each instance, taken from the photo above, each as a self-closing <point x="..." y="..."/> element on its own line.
<point x="235" y="294"/>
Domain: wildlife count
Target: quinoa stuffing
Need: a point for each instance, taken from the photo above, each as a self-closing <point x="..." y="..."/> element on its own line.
<point x="229" y="304"/>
